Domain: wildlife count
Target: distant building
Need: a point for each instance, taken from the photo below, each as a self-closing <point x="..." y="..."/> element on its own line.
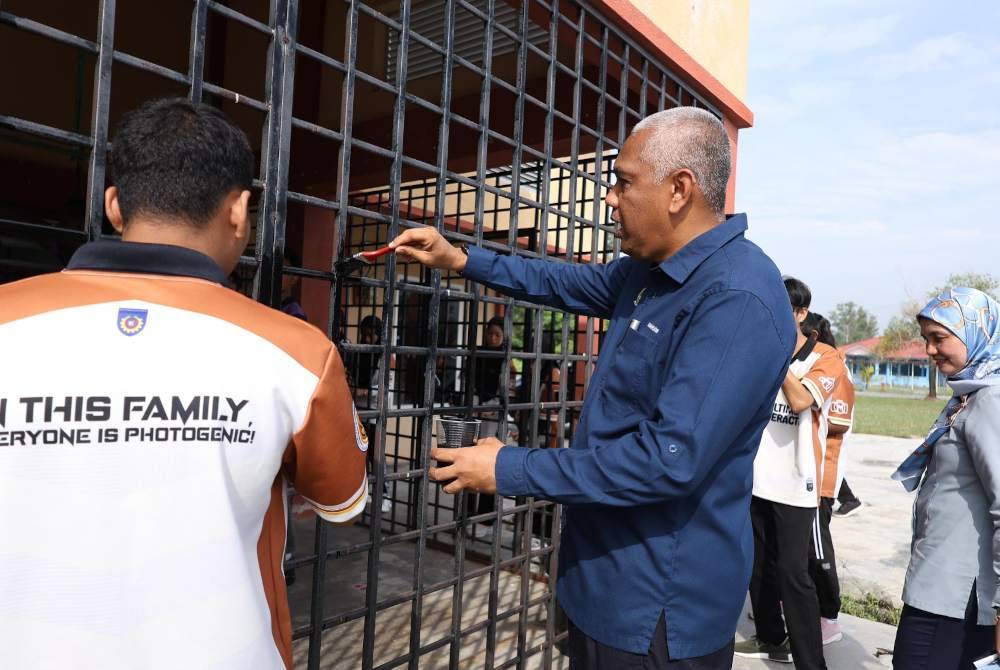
<point x="906" y="366"/>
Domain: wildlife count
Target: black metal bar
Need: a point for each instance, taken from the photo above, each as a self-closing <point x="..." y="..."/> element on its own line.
<point x="41" y="228"/>
<point x="41" y="130"/>
<point x="343" y="178"/>
<point x="274" y="150"/>
<point x="219" y="8"/>
<point x="388" y="313"/>
<point x="481" y="151"/>
<point x="430" y="367"/>
<point x="99" y="119"/>
<point x="196" y="55"/>
<point x="49" y="32"/>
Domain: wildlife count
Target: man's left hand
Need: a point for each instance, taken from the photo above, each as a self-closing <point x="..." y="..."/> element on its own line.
<point x="471" y="468"/>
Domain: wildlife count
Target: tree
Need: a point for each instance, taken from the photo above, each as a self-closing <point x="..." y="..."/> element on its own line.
<point x="899" y="331"/>
<point x="982" y="281"/>
<point x="852" y="322"/>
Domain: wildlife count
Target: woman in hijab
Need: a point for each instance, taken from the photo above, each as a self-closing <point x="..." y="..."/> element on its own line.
<point x="951" y="595"/>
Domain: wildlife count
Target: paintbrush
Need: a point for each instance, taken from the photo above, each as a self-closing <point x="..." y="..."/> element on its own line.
<point x="346" y="266"/>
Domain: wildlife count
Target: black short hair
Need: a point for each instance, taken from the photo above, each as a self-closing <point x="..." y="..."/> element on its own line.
<point x="816" y="322"/>
<point x="373" y="323"/>
<point x="798" y="293"/>
<point x="496" y="320"/>
<point x="178" y="159"/>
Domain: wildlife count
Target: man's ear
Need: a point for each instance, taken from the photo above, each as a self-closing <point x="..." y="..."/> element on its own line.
<point x="239" y="216"/>
<point x="683" y="185"/>
<point x="113" y="210"/>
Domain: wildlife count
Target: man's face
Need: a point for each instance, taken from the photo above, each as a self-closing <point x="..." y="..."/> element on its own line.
<point x="640" y="205"/>
<point x="366" y="336"/>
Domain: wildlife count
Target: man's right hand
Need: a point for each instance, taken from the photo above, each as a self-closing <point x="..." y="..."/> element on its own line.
<point x="426" y="246"/>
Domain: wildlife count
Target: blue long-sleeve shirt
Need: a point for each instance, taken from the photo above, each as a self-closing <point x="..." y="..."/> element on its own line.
<point x="658" y="477"/>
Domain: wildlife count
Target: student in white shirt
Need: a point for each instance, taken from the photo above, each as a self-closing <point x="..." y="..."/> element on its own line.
<point x="787" y="477"/>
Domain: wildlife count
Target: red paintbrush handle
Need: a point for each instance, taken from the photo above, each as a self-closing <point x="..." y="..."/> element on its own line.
<point x="378" y="252"/>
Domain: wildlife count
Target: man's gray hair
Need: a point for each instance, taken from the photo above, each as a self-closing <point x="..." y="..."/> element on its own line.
<point x="692" y="138"/>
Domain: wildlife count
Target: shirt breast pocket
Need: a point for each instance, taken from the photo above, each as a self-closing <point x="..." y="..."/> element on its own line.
<point x="629" y="382"/>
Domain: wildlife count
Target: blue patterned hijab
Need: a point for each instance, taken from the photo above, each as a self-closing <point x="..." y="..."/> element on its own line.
<point x="973" y="317"/>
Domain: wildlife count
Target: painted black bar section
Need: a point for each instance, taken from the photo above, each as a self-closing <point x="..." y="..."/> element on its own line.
<point x="99" y="119"/>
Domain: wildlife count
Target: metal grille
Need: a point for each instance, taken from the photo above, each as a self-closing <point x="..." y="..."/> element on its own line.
<point x="367" y="118"/>
<point x="428" y="19"/>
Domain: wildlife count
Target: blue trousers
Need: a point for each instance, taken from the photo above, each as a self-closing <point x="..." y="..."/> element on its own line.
<point x="926" y="641"/>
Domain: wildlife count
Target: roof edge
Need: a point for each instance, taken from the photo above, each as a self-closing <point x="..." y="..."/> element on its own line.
<point x="641" y="28"/>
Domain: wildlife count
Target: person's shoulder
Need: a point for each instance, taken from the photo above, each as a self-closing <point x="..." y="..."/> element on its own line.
<point x="297" y="338"/>
<point x="37" y="283"/>
<point x="741" y="266"/>
<point x="986" y="399"/>
<point x="825" y="351"/>
<point x="39" y="294"/>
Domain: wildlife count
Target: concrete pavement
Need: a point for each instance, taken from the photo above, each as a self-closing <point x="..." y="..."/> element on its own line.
<point x="872" y="548"/>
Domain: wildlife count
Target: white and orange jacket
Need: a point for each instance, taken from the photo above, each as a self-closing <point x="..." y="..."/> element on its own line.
<point x="150" y="418"/>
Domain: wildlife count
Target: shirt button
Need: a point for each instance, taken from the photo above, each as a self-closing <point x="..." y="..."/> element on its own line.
<point x="672" y="448"/>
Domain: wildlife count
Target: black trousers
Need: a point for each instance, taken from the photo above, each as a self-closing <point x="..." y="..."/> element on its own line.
<point x="823" y="562"/>
<point x="585" y="653"/>
<point x="926" y="641"/>
<point x="781" y="579"/>
<point x="845" y="494"/>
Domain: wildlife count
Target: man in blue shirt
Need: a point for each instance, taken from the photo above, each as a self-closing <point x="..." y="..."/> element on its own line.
<point x="657" y="548"/>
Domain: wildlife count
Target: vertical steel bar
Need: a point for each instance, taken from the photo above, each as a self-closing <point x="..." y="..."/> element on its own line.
<point x="388" y="314"/>
<point x="546" y="188"/>
<point x="317" y="590"/>
<point x="623" y="97"/>
<point x="512" y="231"/>
<point x="343" y="177"/>
<point x="101" y="110"/>
<point x="481" y="157"/>
<point x="642" y="87"/>
<point x="430" y="367"/>
<point x="274" y="150"/>
<point x="196" y="56"/>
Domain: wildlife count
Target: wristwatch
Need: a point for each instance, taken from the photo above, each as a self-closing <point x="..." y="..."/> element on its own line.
<point x="464" y="247"/>
<point x="996" y="614"/>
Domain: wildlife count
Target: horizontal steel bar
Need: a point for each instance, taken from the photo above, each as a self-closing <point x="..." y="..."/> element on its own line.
<point x="42" y="130"/>
<point x="221" y="9"/>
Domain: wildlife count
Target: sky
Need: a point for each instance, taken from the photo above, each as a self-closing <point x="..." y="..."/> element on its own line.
<point x="872" y="171"/>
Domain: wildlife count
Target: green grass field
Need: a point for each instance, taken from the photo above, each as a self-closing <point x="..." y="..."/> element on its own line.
<point x="896" y="417"/>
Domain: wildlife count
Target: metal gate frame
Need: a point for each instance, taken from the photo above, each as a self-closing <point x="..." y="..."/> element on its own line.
<point x="568" y="208"/>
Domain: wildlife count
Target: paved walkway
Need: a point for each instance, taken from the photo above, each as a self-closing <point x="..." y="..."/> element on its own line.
<point x="873" y="547"/>
<point x="872" y="550"/>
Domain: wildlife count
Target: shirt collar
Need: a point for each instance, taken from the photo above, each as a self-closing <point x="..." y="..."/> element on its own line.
<point x="145" y="258"/>
<point x="680" y="266"/>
